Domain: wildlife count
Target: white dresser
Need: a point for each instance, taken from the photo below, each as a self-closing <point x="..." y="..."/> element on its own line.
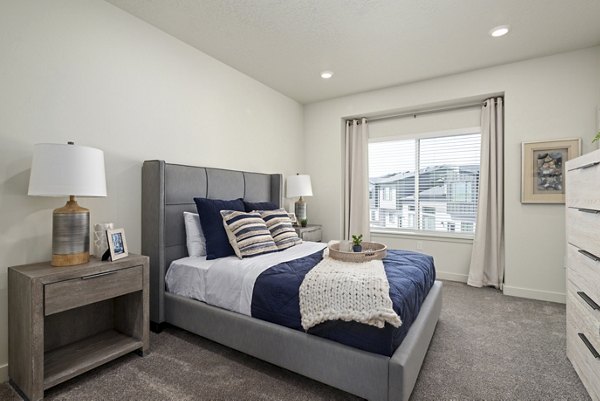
<point x="583" y="268"/>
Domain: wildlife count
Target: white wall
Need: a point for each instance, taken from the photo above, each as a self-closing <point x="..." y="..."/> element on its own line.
<point x="546" y="98"/>
<point x="89" y="72"/>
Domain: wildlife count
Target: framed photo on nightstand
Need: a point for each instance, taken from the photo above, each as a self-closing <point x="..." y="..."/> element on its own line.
<point x="293" y="218"/>
<point x="117" y="243"/>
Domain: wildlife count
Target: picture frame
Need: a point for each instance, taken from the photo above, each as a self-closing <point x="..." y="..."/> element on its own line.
<point x="293" y="218"/>
<point x="117" y="244"/>
<point x="543" y="169"/>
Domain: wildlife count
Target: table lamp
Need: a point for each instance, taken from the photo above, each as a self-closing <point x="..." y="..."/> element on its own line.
<point x="299" y="185"/>
<point x="68" y="170"/>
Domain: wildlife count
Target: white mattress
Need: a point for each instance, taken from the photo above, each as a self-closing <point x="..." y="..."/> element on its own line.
<point x="228" y="282"/>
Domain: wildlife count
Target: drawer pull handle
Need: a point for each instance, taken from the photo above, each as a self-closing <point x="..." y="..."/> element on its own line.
<point x="589" y="165"/>
<point x="588" y="300"/>
<point x="589" y="345"/>
<point x="592" y="211"/>
<point x="585" y="166"/>
<point x="96" y="275"/>
<point x="589" y="255"/>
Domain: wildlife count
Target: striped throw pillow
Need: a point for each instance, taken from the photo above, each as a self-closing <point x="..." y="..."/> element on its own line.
<point x="281" y="229"/>
<point x="247" y="233"/>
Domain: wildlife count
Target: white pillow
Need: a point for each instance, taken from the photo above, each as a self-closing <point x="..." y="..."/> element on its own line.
<point x="196" y="243"/>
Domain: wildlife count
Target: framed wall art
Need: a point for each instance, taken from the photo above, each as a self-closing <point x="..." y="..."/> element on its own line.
<point x="543" y="169"/>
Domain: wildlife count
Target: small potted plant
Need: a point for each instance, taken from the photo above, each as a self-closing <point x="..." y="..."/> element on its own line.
<point x="304" y="222"/>
<point x="597" y="137"/>
<point x="357" y="243"/>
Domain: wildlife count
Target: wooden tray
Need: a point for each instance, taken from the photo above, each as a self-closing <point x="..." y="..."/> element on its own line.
<point x="371" y="251"/>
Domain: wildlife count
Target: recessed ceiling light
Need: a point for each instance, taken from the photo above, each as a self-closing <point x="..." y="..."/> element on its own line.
<point x="499" y="31"/>
<point x="326" y="74"/>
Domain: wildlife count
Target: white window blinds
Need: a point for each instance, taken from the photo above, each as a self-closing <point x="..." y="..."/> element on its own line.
<point x="425" y="184"/>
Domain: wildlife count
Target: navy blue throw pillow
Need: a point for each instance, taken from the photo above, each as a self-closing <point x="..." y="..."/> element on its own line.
<point x="250" y="206"/>
<point x="209" y="211"/>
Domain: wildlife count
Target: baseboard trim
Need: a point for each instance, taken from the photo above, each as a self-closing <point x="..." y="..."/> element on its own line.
<point x="462" y="278"/>
<point x="4" y="373"/>
<point x="535" y="294"/>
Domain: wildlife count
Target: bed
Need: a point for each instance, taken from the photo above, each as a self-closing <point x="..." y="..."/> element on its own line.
<point x="167" y="191"/>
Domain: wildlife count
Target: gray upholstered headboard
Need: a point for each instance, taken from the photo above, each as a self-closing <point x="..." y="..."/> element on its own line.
<point x="168" y="190"/>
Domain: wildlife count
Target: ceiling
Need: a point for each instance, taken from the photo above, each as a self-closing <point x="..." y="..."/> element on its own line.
<point x="368" y="44"/>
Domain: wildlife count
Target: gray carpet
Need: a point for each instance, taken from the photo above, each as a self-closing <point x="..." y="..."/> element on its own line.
<point x="486" y="347"/>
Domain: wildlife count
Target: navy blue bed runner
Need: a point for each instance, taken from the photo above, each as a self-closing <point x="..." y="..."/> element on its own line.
<point x="410" y="274"/>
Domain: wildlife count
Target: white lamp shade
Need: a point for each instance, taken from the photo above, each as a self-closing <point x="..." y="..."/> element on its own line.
<point x="298" y="185"/>
<point x="63" y="170"/>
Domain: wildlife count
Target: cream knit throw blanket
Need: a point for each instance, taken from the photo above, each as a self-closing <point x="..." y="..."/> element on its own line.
<point x="336" y="290"/>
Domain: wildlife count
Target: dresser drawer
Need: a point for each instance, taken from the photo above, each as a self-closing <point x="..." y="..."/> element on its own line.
<point x="91" y="288"/>
<point x="583" y="314"/>
<point x="583" y="230"/>
<point x="583" y="271"/>
<point x="584" y="361"/>
<point x="583" y="340"/>
<point x="582" y="190"/>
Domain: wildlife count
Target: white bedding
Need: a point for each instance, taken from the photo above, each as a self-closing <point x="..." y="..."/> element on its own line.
<point x="228" y="282"/>
<point x="186" y="277"/>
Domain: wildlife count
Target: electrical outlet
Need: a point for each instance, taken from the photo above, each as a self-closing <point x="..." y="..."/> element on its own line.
<point x="419" y="244"/>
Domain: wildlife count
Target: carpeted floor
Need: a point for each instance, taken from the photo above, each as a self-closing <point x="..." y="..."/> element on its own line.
<point x="487" y="346"/>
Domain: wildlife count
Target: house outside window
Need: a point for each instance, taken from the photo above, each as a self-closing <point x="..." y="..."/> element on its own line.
<point x="386" y="194"/>
<point x="467" y="227"/>
<point x="429" y="182"/>
<point x="428" y="215"/>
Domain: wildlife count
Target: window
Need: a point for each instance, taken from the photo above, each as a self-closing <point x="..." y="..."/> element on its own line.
<point x="434" y="179"/>
<point x="386" y="194"/>
<point x="428" y="215"/>
<point x="467" y="227"/>
<point x="392" y="219"/>
<point x="375" y="218"/>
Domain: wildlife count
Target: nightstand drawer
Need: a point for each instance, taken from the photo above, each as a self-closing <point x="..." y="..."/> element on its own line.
<point x="91" y="288"/>
<point x="314" y="236"/>
<point x="312" y="232"/>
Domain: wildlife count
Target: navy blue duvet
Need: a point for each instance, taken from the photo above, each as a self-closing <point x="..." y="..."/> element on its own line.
<point x="410" y="274"/>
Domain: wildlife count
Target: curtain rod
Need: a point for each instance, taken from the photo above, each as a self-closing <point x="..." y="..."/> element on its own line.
<point x="421" y="112"/>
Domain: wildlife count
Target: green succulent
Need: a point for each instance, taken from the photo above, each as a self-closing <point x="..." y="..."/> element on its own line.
<point x="596" y="138"/>
<point x="357" y="239"/>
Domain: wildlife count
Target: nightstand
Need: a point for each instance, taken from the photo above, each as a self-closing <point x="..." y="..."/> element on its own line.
<point x="64" y="321"/>
<point x="311" y="232"/>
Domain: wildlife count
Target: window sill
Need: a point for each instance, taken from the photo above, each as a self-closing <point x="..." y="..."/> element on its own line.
<point x="429" y="236"/>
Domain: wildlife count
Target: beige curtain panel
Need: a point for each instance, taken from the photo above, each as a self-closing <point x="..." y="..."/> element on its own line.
<point x="356" y="183"/>
<point x="487" y="256"/>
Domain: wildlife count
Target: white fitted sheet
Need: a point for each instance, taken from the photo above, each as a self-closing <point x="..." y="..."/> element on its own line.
<point x="228" y="282"/>
<point x="186" y="277"/>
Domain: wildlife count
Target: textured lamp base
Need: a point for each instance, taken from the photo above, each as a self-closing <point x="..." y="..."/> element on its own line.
<point x="300" y="210"/>
<point x="70" y="260"/>
<point x="70" y="235"/>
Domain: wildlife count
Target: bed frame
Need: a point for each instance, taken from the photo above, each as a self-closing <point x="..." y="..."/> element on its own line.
<point x="167" y="191"/>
